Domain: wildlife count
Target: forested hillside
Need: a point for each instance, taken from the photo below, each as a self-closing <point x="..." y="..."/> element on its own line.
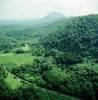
<point x="77" y="35"/>
<point x="56" y="59"/>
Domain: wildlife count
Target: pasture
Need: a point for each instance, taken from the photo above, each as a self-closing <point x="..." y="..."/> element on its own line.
<point x="11" y="60"/>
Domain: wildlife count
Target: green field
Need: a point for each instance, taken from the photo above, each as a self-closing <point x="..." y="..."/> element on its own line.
<point x="11" y="59"/>
<point x="12" y="81"/>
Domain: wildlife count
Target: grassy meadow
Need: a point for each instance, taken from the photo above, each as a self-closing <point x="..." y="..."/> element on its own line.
<point x="11" y="60"/>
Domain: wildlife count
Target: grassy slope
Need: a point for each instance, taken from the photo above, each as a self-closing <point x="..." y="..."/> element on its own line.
<point x="12" y="81"/>
<point x="11" y="59"/>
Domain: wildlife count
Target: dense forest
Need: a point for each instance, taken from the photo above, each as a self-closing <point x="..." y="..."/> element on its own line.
<point x="54" y="59"/>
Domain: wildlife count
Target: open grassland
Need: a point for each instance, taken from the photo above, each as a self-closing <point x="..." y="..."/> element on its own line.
<point x="11" y="59"/>
<point x="12" y="81"/>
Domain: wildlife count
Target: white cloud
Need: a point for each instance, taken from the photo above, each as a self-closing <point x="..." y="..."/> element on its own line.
<point x="22" y="9"/>
<point x="77" y="7"/>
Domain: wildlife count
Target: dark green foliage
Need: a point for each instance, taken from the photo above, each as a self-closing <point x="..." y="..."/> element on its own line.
<point x="77" y="35"/>
<point x="38" y="50"/>
<point x="3" y="72"/>
<point x="19" y="51"/>
<point x="6" y="51"/>
<point x="64" y="58"/>
<point x="4" y="89"/>
<point x="79" y="81"/>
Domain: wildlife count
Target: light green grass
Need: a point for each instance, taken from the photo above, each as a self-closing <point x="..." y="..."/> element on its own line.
<point x="12" y="81"/>
<point x="11" y="59"/>
<point x="26" y="48"/>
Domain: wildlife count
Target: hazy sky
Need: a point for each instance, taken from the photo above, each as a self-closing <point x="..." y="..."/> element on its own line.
<point x="24" y="9"/>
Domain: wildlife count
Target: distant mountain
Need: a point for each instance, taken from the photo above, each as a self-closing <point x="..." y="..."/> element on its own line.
<point x="54" y="16"/>
<point x="50" y="18"/>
